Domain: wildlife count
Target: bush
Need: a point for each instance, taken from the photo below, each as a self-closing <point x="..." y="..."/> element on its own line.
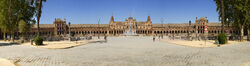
<point x="216" y="41"/>
<point x="22" y="41"/>
<point x="222" y="38"/>
<point x="38" y="40"/>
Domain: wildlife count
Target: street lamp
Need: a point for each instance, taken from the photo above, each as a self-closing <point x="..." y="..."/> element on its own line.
<point x="189" y="37"/>
<point x="69" y="32"/>
<point x="162" y="20"/>
<point x="98" y="28"/>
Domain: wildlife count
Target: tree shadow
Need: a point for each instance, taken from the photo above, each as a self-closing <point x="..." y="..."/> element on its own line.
<point x="99" y="42"/>
<point x="8" y="44"/>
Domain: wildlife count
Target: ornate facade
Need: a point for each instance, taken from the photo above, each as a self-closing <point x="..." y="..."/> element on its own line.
<point x="201" y="27"/>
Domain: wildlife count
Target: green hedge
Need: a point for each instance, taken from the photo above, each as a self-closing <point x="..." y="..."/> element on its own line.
<point x="38" y="40"/>
<point x="222" y="38"/>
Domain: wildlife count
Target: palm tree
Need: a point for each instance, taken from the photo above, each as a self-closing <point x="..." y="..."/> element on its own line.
<point x="39" y="12"/>
<point x="221" y="10"/>
<point x="222" y="16"/>
<point x="237" y="11"/>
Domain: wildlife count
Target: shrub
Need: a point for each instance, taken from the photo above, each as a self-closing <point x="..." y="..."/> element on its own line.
<point x="216" y="41"/>
<point x="22" y="41"/>
<point x="38" y="40"/>
<point x="222" y="38"/>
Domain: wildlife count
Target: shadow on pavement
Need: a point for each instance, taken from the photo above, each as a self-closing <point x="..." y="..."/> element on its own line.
<point x="8" y="44"/>
<point x="99" y="42"/>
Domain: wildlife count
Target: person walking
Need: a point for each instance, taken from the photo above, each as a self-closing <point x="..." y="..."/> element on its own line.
<point x="159" y="37"/>
<point x="105" y="38"/>
<point x="154" y="38"/>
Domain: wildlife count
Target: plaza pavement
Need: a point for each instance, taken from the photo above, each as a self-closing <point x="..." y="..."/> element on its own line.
<point x="128" y="51"/>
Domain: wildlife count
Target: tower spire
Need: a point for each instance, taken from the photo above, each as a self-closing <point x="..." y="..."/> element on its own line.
<point x="112" y="18"/>
<point x="149" y="19"/>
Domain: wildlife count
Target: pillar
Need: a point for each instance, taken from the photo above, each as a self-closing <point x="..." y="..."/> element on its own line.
<point x="107" y="32"/>
<point x="113" y="32"/>
<point x="147" y="32"/>
<point x="153" y="32"/>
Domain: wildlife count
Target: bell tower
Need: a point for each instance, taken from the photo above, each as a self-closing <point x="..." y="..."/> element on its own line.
<point x="111" y="19"/>
<point x="149" y="20"/>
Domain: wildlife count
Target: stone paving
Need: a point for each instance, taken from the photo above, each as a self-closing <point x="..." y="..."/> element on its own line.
<point x="128" y="51"/>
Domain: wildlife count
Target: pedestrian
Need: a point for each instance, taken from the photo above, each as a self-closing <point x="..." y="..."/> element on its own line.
<point x="159" y="37"/>
<point x="105" y="38"/>
<point x="154" y="38"/>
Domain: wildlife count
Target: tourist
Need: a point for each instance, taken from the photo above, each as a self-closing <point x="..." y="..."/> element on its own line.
<point x="159" y="37"/>
<point x="105" y="38"/>
<point x="154" y="38"/>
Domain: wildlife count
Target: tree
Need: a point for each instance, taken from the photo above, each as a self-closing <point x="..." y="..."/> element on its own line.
<point x="236" y="11"/>
<point x="224" y="8"/>
<point x="39" y="12"/>
<point x="2" y="18"/>
<point x="23" y="27"/>
<point x="241" y="15"/>
<point x="222" y="15"/>
<point x="13" y="11"/>
<point x="25" y="17"/>
<point x="6" y="9"/>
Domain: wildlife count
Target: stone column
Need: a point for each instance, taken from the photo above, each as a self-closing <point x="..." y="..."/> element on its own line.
<point x="147" y="32"/>
<point x="113" y="32"/>
<point x="153" y="32"/>
<point x="108" y="32"/>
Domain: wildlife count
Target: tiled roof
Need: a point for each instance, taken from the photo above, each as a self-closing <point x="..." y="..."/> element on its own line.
<point x="89" y="25"/>
<point x="44" y="25"/>
<point x="172" y="25"/>
<point x="214" y="24"/>
<point x="139" y="23"/>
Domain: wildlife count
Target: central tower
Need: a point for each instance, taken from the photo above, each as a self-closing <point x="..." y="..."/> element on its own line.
<point x="131" y="27"/>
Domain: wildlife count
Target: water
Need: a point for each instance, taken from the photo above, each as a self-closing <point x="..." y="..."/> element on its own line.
<point x="129" y="32"/>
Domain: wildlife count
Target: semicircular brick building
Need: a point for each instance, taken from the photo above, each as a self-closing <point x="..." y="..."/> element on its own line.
<point x="201" y="27"/>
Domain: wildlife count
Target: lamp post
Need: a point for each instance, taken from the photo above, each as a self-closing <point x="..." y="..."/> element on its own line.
<point x="69" y="33"/>
<point x="162" y="27"/>
<point x="98" y="28"/>
<point x="189" y="37"/>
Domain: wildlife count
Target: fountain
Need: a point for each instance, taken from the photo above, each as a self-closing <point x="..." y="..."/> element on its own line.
<point x="129" y="32"/>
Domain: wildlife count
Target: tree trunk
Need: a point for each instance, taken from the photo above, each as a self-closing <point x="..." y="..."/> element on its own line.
<point x="38" y="28"/>
<point x="12" y="36"/>
<point x="248" y="34"/>
<point x="38" y="16"/>
<point x="222" y="16"/>
<point x="22" y="36"/>
<point x="4" y="35"/>
<point x="241" y="33"/>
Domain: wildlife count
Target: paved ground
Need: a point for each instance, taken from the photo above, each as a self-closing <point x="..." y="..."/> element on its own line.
<point x="129" y="51"/>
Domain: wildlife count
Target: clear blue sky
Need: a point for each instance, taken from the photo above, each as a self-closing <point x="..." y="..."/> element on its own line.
<point x="89" y="11"/>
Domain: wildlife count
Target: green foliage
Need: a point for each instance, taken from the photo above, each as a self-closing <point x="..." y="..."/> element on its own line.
<point x="39" y="5"/>
<point x="216" y="41"/>
<point x="3" y="15"/>
<point x="222" y="38"/>
<point x="236" y="12"/>
<point x="23" y="26"/>
<point x="38" y="40"/>
<point x="13" y="11"/>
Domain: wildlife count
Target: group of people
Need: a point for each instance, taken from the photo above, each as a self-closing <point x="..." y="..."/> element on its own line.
<point x="159" y="37"/>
